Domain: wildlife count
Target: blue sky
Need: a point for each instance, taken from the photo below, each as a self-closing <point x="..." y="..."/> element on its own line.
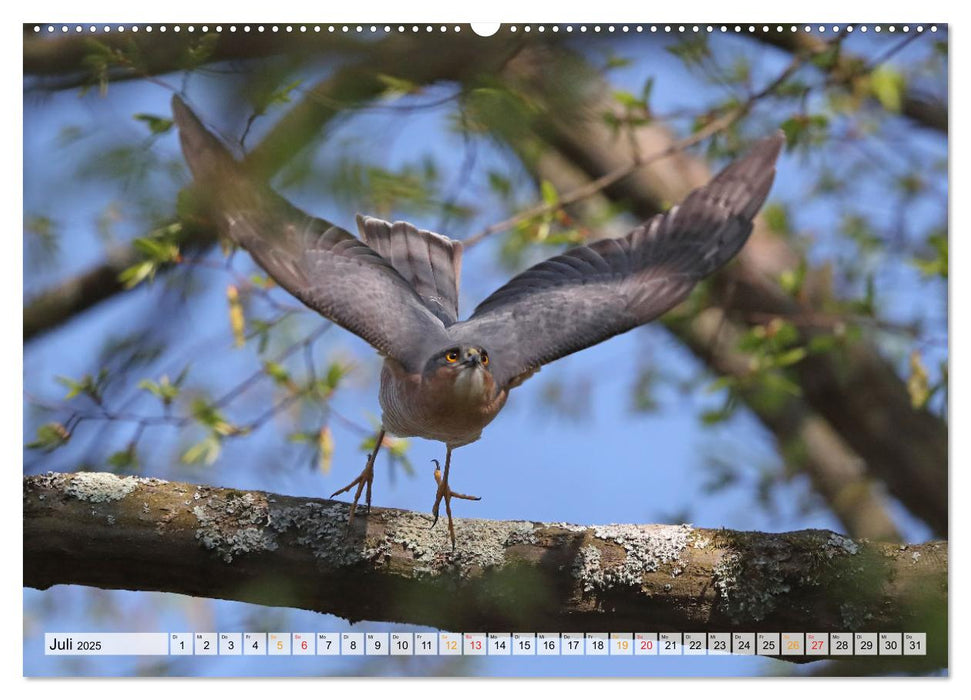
<point x="611" y="465"/>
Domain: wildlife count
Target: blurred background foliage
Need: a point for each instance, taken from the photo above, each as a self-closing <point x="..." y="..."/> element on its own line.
<point x="805" y="385"/>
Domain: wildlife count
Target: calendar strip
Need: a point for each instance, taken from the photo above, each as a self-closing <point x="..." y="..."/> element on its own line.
<point x="256" y="644"/>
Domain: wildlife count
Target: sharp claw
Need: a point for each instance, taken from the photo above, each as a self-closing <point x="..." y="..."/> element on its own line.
<point x="438" y="501"/>
<point x="451" y="527"/>
<point x="446" y="494"/>
<point x="364" y="479"/>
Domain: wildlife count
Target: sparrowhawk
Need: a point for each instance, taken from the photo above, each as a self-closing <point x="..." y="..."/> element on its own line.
<point x="397" y="288"/>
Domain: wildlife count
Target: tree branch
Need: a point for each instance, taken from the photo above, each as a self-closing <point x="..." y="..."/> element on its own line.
<point x="102" y="530"/>
<point x="857" y="392"/>
<point x="421" y="60"/>
<point x="847" y="68"/>
<point x="60" y="62"/>
<point x="835" y="470"/>
<point x="65" y="300"/>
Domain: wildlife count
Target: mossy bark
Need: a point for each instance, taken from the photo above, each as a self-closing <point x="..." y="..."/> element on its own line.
<point x="146" y="534"/>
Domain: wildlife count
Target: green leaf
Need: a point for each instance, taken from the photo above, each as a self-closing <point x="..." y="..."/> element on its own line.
<point x="237" y="317"/>
<point x="691" y="50"/>
<point x="262" y="281"/>
<point x="335" y="373"/>
<point x="499" y="184"/>
<point x="888" y="85"/>
<point x="164" y="389"/>
<point x="803" y="129"/>
<point x="398" y="447"/>
<point x="277" y="372"/>
<point x="157" y="125"/>
<point x="790" y="357"/>
<point x="325" y="449"/>
<point x="918" y="384"/>
<point x="210" y="417"/>
<point x="283" y="95"/>
<point x="124" y="460"/>
<point x="628" y="100"/>
<point x="826" y="60"/>
<point x="792" y="280"/>
<point x="723" y="382"/>
<point x="200" y="52"/>
<point x="156" y="248"/>
<point x="646" y="91"/>
<point x="50" y="436"/>
<point x="643" y="392"/>
<point x="612" y="120"/>
<point x="935" y="265"/>
<point x="776" y="217"/>
<point x="819" y="344"/>
<point x="614" y="61"/>
<point x="332" y="378"/>
<point x="911" y="184"/>
<point x="205" y="451"/>
<point x="74" y="388"/>
<point x="549" y="193"/>
<point x="715" y="416"/>
<point x="792" y="88"/>
<point x="867" y="306"/>
<point x="778" y="382"/>
<point x="397" y="85"/>
<point x="88" y="385"/>
<point x="858" y="229"/>
<point x="782" y="333"/>
<point x="132" y="276"/>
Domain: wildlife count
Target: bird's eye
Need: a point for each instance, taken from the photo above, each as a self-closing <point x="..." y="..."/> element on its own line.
<point x="485" y="359"/>
<point x="452" y="356"/>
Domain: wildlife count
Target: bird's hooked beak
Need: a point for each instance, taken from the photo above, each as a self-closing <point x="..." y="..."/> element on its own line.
<point x="473" y="358"/>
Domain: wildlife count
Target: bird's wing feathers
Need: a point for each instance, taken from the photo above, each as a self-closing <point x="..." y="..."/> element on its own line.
<point x="324" y="266"/>
<point x="594" y="292"/>
<point x="430" y="262"/>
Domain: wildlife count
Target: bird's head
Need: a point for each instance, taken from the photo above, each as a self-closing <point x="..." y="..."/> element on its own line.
<point x="465" y="368"/>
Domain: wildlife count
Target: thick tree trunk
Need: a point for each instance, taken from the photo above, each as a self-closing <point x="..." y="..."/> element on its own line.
<point x="101" y="530"/>
<point x="856" y="391"/>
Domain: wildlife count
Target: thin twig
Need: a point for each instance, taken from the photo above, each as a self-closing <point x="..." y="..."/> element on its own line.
<point x="604" y="181"/>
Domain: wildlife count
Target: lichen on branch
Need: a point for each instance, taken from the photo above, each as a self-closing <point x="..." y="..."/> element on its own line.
<point x="147" y="534"/>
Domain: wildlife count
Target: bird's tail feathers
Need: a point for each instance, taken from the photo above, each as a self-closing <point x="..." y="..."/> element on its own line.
<point x="430" y="262"/>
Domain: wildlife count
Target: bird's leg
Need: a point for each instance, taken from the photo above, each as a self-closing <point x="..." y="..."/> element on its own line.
<point x="444" y="492"/>
<point x="366" y="478"/>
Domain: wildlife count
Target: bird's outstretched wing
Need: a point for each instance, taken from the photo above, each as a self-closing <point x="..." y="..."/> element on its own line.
<point x="324" y="266"/>
<point x="593" y="292"/>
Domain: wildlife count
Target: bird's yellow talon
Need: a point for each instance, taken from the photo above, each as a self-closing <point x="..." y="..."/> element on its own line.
<point x="364" y="480"/>
<point x="444" y="493"/>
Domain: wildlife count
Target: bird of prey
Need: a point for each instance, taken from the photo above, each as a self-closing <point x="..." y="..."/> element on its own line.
<point x="397" y="288"/>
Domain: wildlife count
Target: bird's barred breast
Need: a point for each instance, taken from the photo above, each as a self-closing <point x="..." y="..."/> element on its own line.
<point x="443" y="407"/>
